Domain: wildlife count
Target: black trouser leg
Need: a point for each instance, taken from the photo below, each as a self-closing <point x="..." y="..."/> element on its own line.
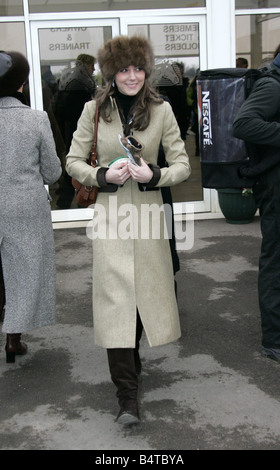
<point x="67" y="193"/>
<point x="269" y="283"/>
<point x="268" y="197"/>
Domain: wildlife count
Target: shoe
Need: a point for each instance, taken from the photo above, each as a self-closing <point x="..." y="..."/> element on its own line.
<point x="128" y="414"/>
<point x="14" y="346"/>
<point x="271" y="353"/>
<point x="126" y="418"/>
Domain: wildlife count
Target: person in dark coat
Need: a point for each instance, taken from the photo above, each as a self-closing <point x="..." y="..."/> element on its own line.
<point x="76" y="87"/>
<point x="258" y="123"/>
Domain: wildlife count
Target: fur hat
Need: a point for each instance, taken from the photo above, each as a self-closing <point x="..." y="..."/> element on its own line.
<point x="14" y="70"/>
<point x="122" y="51"/>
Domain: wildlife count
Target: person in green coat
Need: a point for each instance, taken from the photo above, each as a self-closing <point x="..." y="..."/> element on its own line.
<point x="133" y="279"/>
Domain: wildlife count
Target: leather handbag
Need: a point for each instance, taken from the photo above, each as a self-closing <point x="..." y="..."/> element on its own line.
<point x="86" y="195"/>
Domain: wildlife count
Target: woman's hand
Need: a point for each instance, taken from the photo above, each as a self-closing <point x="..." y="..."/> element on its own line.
<point x="142" y="174"/>
<point x="117" y="174"/>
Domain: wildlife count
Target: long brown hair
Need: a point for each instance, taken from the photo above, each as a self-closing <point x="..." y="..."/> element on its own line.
<point x="277" y="50"/>
<point x="147" y="97"/>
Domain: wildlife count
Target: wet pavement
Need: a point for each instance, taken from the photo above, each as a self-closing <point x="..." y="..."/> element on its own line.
<point x="211" y="390"/>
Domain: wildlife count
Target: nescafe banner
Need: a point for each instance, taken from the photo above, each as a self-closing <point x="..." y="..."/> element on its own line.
<point x="220" y="93"/>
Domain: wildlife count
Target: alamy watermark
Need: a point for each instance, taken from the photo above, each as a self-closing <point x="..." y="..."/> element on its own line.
<point x="146" y="221"/>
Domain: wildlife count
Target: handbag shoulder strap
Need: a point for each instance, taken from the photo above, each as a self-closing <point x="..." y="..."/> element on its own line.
<point x="93" y="153"/>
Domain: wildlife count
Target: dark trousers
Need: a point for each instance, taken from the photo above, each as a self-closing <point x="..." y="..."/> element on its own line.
<point x="66" y="192"/>
<point x="267" y="194"/>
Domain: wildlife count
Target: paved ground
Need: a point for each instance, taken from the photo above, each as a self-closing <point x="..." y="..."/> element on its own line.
<point x="211" y="390"/>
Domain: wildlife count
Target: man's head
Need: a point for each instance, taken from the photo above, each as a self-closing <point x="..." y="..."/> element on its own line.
<point x="88" y="61"/>
<point x="241" y="63"/>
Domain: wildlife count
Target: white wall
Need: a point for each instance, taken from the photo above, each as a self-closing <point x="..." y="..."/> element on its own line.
<point x="221" y="33"/>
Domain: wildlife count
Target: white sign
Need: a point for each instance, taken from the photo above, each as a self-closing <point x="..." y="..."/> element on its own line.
<point x="175" y="39"/>
<point x="64" y="44"/>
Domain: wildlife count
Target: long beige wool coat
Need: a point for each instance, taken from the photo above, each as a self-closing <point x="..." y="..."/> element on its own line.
<point x="132" y="264"/>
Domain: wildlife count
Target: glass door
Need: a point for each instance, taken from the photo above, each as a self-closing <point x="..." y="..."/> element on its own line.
<point x="63" y="56"/>
<point x="179" y="44"/>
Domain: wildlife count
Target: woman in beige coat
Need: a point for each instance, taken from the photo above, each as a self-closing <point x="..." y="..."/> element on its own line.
<point x="133" y="283"/>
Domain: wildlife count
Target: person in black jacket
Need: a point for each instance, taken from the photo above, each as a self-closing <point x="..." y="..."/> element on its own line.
<point x="258" y="124"/>
<point x="76" y="87"/>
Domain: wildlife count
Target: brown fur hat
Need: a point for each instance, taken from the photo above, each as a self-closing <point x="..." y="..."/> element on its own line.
<point x="122" y="51"/>
<point x="15" y="73"/>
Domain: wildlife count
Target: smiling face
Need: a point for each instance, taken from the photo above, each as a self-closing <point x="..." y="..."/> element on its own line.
<point x="130" y="80"/>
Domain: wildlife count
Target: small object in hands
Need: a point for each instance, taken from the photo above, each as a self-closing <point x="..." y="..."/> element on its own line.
<point x="123" y="160"/>
<point x="133" y="148"/>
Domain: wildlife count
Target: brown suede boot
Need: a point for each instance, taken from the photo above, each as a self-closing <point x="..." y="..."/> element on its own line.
<point x="123" y="374"/>
<point x="14" y="347"/>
